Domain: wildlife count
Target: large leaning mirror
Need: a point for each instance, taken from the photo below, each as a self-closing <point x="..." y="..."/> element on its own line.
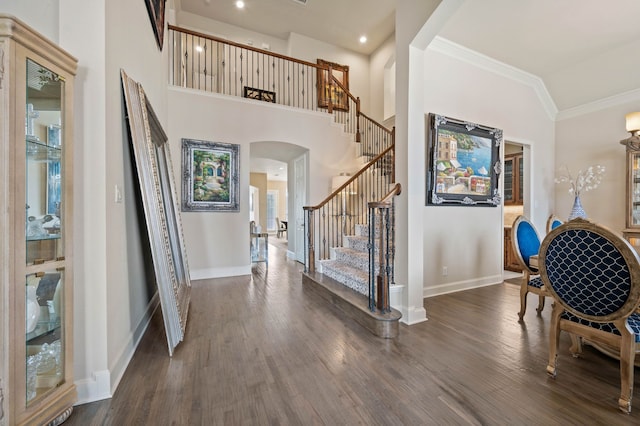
<point x="159" y="198"/>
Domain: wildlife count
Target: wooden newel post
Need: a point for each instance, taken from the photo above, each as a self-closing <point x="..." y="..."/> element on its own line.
<point x="382" y="292"/>
<point x="310" y="241"/>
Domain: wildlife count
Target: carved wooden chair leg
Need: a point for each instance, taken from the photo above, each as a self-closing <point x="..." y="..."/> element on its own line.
<point x="627" y="359"/>
<point x="540" y="304"/>
<point x="554" y="341"/>
<point x="523" y="296"/>
<point x="576" y="345"/>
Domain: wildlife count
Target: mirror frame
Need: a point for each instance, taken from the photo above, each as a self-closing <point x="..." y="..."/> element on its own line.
<point x="161" y="210"/>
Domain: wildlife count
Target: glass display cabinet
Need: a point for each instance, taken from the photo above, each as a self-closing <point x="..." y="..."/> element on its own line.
<point x="36" y="324"/>
<point x="632" y="230"/>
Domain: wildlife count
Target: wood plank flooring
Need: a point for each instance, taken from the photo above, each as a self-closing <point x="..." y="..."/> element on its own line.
<point x="263" y="350"/>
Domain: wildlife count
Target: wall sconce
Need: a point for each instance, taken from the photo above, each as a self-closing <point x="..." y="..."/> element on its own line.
<point x="633" y="126"/>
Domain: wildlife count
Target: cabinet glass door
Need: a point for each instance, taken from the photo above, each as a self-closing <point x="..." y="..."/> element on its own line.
<point x="635" y="189"/>
<point x="44" y="195"/>
<point x="508" y="180"/>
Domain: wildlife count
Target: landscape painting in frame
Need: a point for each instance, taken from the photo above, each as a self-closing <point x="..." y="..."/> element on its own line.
<point x="463" y="162"/>
<point x="209" y="176"/>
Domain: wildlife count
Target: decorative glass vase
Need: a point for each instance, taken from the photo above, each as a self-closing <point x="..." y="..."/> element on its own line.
<point x="577" y="210"/>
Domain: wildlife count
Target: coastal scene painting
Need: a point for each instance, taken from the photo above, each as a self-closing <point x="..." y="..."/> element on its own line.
<point x="463" y="161"/>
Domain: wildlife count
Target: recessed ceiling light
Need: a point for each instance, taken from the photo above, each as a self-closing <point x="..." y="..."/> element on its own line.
<point x="363" y="39"/>
<point x="198" y="48"/>
<point x="240" y="4"/>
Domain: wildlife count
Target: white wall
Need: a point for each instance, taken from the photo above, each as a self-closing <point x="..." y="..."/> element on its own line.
<point x="377" y="63"/>
<point x="217" y="118"/>
<point x="594" y="138"/>
<point x="42" y="15"/>
<point x="130" y="277"/>
<point x="411" y="16"/>
<point x="114" y="285"/>
<point x="230" y="32"/>
<point x="468" y="240"/>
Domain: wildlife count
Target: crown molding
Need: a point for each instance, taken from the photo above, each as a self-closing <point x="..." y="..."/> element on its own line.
<point x="454" y="50"/>
<point x="600" y="104"/>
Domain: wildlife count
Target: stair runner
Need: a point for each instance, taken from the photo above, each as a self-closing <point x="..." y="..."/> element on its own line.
<point x="349" y="265"/>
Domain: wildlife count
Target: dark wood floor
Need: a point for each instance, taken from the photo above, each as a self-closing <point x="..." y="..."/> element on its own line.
<point x="263" y="350"/>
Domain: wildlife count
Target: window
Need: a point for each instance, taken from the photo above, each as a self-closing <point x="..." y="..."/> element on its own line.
<point x="272" y="209"/>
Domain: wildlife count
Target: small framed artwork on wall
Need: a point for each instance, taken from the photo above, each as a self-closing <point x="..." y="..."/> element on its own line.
<point x="210" y="176"/>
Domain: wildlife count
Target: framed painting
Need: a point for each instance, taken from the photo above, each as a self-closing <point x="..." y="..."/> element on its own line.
<point x="463" y="162"/>
<point x="328" y="90"/>
<point x="210" y="176"/>
<point x="156" y="14"/>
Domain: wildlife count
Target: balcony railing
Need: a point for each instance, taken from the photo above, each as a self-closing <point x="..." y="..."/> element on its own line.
<point x="203" y="62"/>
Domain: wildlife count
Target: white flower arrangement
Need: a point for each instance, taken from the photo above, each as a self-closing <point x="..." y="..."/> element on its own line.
<point x="585" y="180"/>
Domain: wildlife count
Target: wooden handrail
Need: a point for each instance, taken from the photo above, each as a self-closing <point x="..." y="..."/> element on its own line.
<point x="344" y="89"/>
<point x="376" y="123"/>
<point x="245" y="46"/>
<point x="348" y="182"/>
<point x="386" y="200"/>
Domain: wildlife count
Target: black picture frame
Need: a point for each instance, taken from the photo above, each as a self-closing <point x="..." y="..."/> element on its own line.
<point x="463" y="163"/>
<point x="259" y="94"/>
<point x="156" y="14"/>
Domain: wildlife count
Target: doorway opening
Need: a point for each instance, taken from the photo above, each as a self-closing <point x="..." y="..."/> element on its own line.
<point x="516" y="184"/>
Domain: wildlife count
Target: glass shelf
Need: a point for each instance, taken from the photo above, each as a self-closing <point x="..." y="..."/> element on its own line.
<point x="48" y="237"/>
<point x="39" y="150"/>
<point x="47" y="327"/>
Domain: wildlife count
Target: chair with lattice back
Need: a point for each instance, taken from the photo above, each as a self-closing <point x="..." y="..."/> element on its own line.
<point x="594" y="276"/>
<point x="526" y="243"/>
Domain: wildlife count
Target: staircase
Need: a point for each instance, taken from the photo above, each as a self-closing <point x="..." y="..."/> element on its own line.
<point x="343" y="281"/>
<point x="349" y="264"/>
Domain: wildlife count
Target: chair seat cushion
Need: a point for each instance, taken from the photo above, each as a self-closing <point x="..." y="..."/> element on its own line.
<point x="536" y="282"/>
<point x="633" y="321"/>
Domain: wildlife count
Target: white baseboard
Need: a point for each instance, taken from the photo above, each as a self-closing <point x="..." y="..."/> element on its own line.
<point x="207" y="273"/>
<point x="100" y="385"/>
<point x="97" y="388"/>
<point x="461" y="285"/>
<point x="413" y="315"/>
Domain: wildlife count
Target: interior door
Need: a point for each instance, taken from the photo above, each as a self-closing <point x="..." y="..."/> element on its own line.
<point x="300" y="199"/>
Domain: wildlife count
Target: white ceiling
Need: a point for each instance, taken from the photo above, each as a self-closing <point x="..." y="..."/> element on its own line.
<point x="582" y="50"/>
<point x="339" y="22"/>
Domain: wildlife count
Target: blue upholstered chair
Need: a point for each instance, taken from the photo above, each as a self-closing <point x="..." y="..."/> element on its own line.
<point x="553" y="222"/>
<point x="594" y="276"/>
<point x="526" y="243"/>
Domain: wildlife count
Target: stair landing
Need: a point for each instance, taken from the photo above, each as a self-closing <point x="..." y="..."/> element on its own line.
<point x="354" y="305"/>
